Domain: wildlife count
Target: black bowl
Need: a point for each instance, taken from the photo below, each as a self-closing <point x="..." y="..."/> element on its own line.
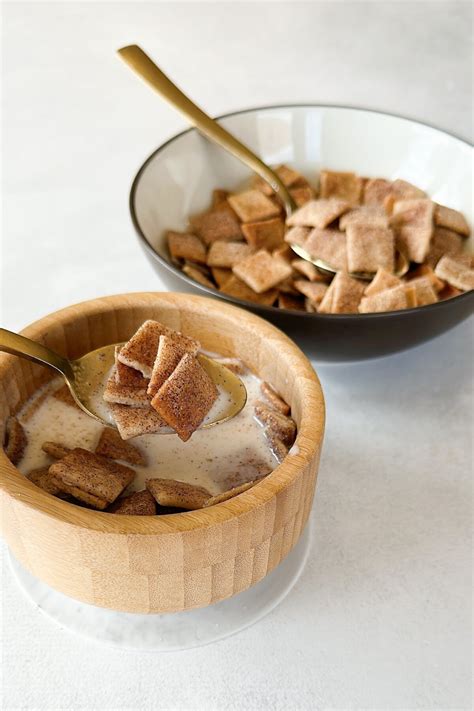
<point x="325" y="337"/>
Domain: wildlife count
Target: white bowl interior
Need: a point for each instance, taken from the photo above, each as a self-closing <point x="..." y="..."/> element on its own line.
<point x="179" y="178"/>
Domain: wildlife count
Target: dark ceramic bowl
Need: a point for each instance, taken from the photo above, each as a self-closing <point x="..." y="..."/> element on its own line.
<point x="178" y="178"/>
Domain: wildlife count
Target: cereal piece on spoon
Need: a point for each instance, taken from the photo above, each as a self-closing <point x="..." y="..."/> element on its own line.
<point x="364" y="215"/>
<point x="135" y="421"/>
<point x="261" y="271"/>
<point x="318" y="213"/>
<point x="169" y="354"/>
<point x="297" y="235"/>
<point x="112" y="446"/>
<point x="95" y="480"/>
<point x="186" y="397"/>
<point x="329" y="246"/>
<point x="345" y="186"/>
<point x="124" y="375"/>
<point x="121" y="394"/>
<point x="140" y="351"/>
<point x="369" y="248"/>
<point x="178" y="494"/>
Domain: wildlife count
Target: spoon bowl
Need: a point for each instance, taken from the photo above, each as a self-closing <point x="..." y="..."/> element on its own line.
<point x="86" y="376"/>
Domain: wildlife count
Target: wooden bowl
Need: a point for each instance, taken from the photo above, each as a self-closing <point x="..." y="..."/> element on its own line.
<point x="173" y="562"/>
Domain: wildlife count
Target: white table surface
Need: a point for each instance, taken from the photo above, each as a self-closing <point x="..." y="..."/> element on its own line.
<point x="381" y="615"/>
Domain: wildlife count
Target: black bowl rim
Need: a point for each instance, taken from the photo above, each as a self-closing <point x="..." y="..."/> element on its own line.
<point x="273" y="309"/>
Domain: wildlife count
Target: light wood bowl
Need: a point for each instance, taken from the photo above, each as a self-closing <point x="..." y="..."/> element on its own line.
<point x="173" y="562"/>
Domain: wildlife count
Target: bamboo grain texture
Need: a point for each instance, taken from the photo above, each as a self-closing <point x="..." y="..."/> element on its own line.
<point x="164" y="563"/>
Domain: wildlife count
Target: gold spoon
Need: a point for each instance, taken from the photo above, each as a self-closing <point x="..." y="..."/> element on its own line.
<point x="143" y="65"/>
<point x="86" y="375"/>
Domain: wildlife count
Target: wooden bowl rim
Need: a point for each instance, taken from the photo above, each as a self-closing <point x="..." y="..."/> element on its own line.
<point x="309" y="437"/>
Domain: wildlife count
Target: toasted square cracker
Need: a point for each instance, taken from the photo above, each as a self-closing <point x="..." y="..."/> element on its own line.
<point x="140" y="351"/>
<point x="125" y="394"/>
<point x="42" y="478"/>
<point x="288" y="301"/>
<point x="124" y="375"/>
<point x="278" y="449"/>
<point x="451" y="219"/>
<point x="236" y="365"/>
<point x="364" y="215"/>
<point x="55" y="449"/>
<point x="345" y="186"/>
<point x="288" y="177"/>
<point x="310" y="307"/>
<point x="179" y="494"/>
<point x="253" y="206"/>
<point x="328" y="245"/>
<point x="274" y="399"/>
<point x="266" y="234"/>
<point x="444" y="242"/>
<point x="302" y="195"/>
<point x="139" y="503"/>
<point x="309" y="271"/>
<point x="112" y="446"/>
<point x="456" y="273"/>
<point x="403" y="190"/>
<point x="287" y="286"/>
<point x="226" y="254"/>
<point x="63" y="394"/>
<point x="221" y="275"/>
<point x="412" y="222"/>
<point x="219" y="196"/>
<point x="280" y="425"/>
<point x="238" y="289"/>
<point x="370" y="248"/>
<point x="196" y="274"/>
<point x="425" y="293"/>
<point x="135" y="421"/>
<point x="381" y="281"/>
<point x="424" y="270"/>
<point x="170" y="352"/>
<point x="325" y="307"/>
<point x="318" y="213"/>
<point x="184" y="400"/>
<point x="449" y="292"/>
<point x="314" y="291"/>
<point x="261" y="271"/>
<point x="346" y="294"/>
<point x="297" y="235"/>
<point x="86" y="476"/>
<point x="393" y="299"/>
<point x="284" y="252"/>
<point x="15" y="440"/>
<point x="375" y="191"/>
<point x="231" y="493"/>
<point x="219" y="223"/>
<point x="183" y="245"/>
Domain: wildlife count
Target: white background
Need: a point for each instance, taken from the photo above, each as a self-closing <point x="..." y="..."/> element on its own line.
<point x="381" y="616"/>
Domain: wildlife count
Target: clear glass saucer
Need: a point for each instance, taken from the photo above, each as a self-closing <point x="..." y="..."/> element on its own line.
<point x="168" y="632"/>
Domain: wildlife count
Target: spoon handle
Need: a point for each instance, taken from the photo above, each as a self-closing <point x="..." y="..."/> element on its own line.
<point x="141" y="63"/>
<point x="31" y="350"/>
